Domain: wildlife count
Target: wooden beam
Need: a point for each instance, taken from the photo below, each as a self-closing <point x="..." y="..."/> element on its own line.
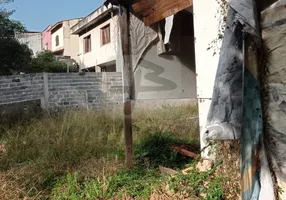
<point x="144" y="5"/>
<point x="124" y="22"/>
<point x="163" y="9"/>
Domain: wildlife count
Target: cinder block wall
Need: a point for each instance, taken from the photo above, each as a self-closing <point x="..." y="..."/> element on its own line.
<point x="63" y="90"/>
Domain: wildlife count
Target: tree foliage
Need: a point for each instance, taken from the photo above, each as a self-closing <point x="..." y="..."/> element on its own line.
<point x="8" y="27"/>
<point x="14" y="57"/>
<point x="45" y="61"/>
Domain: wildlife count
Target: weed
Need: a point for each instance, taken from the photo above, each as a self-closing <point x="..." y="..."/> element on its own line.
<point x="154" y="150"/>
<point x="201" y="184"/>
<point x="40" y="153"/>
<point x="137" y="183"/>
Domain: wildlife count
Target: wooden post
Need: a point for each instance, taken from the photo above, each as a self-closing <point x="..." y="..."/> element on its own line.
<point x="124" y="21"/>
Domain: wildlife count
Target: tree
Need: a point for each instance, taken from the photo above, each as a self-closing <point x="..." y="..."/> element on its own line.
<point x="8" y="27"/>
<point x="45" y="61"/>
<point x="14" y="57"/>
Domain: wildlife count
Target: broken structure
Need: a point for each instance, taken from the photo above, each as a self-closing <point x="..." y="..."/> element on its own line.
<point x="230" y="77"/>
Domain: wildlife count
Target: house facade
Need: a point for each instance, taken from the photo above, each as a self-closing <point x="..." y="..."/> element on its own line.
<point x="98" y="37"/>
<point x="47" y="39"/>
<point x="63" y="43"/>
<point x="32" y="39"/>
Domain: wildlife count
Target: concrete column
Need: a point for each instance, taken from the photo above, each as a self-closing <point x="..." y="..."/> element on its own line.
<point x="206" y="25"/>
<point x="45" y="100"/>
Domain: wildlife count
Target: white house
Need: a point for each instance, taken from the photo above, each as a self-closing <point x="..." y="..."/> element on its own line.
<point x="98" y="40"/>
<point x="63" y="42"/>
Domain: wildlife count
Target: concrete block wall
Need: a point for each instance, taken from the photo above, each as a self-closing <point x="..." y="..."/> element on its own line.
<point x="63" y="90"/>
<point x="21" y="88"/>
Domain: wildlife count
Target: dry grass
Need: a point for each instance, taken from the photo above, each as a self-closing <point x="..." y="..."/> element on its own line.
<point x="229" y="153"/>
<point x="44" y="150"/>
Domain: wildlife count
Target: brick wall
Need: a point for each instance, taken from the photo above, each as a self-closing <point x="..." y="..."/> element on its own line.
<point x="63" y="90"/>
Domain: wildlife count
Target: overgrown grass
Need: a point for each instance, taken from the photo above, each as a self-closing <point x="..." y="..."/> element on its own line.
<point x="137" y="183"/>
<point x="199" y="185"/>
<point x="84" y="151"/>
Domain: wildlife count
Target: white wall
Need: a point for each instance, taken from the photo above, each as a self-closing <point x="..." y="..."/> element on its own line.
<point x="206" y="30"/>
<point x="71" y="42"/>
<point x="99" y="54"/>
<point x="33" y="41"/>
<point x="60" y="33"/>
<point x="165" y="77"/>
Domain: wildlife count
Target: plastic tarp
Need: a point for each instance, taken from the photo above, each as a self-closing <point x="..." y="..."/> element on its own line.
<point x="141" y="37"/>
<point x="274" y="31"/>
<point x="236" y="110"/>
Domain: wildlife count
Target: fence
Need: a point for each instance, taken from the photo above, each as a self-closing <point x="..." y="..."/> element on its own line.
<point x="62" y="90"/>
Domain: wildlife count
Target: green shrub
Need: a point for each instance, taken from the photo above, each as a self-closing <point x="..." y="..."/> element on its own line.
<point x="45" y="61"/>
<point x="155" y="150"/>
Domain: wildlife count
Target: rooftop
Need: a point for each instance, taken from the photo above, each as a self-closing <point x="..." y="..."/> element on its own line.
<point x="92" y="18"/>
<point x="60" y="22"/>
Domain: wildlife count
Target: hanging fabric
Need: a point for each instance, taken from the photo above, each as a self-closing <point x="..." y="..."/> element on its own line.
<point x="236" y="110"/>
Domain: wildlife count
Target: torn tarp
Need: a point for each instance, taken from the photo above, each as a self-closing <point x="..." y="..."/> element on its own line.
<point x="273" y="30"/>
<point x="236" y="111"/>
<point x="225" y="114"/>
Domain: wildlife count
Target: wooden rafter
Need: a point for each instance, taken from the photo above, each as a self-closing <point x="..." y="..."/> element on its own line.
<point x="156" y="10"/>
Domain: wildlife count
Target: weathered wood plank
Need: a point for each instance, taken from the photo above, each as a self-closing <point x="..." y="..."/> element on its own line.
<point x="143" y="6"/>
<point x="165" y="8"/>
<point x="124" y="21"/>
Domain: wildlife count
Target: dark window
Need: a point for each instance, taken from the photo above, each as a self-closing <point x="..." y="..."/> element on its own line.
<point x="57" y="40"/>
<point x="103" y="69"/>
<point x="87" y="44"/>
<point x="105" y="34"/>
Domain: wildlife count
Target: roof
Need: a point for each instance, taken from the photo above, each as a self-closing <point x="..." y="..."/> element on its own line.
<point x="60" y="22"/>
<point x="48" y="27"/>
<point x="92" y="18"/>
<point x="153" y="10"/>
<point x="119" y="2"/>
<point x="33" y="32"/>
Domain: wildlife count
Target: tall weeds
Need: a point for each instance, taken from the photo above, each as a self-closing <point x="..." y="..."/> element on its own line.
<point x="45" y="149"/>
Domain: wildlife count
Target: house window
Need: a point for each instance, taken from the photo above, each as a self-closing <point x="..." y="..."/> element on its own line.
<point x="46" y="46"/>
<point x="105" y="34"/>
<point x="87" y="44"/>
<point x="57" y="40"/>
<point x="103" y="69"/>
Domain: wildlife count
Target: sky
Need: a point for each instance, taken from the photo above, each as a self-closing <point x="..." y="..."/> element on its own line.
<point x="36" y="15"/>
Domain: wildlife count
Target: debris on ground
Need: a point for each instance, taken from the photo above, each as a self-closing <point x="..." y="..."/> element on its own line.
<point x="183" y="151"/>
<point x="205" y="165"/>
<point x="168" y="171"/>
<point x="3" y="148"/>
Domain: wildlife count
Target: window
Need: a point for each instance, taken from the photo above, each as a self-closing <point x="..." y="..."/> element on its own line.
<point x="103" y="69"/>
<point x="87" y="44"/>
<point x="46" y="46"/>
<point x="105" y="34"/>
<point x="57" y="40"/>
